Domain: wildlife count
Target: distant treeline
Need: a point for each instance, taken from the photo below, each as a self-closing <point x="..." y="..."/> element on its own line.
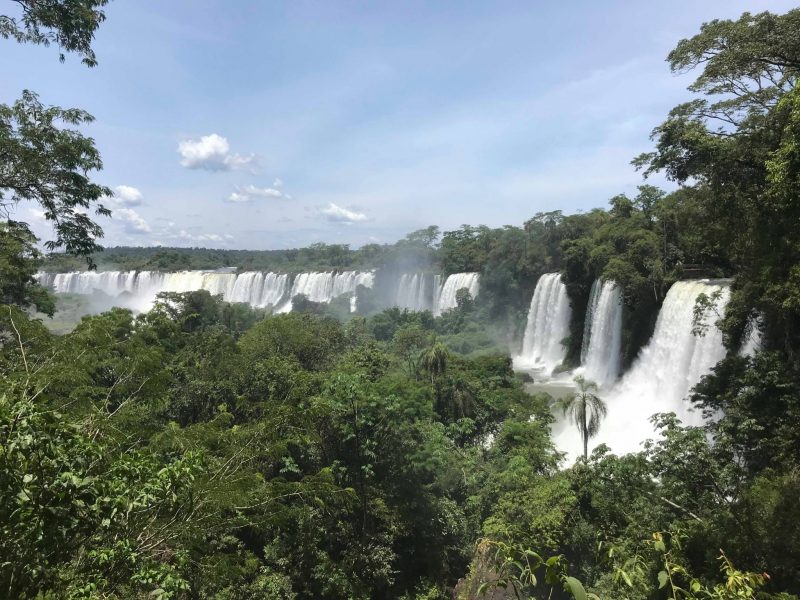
<point x="160" y="258"/>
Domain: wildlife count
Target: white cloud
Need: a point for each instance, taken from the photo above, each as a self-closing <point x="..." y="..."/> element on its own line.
<point x="126" y="195"/>
<point x="199" y="237"/>
<point x="336" y="213"/>
<point x="247" y="193"/>
<point x="237" y="197"/>
<point x="277" y="183"/>
<point x="213" y="153"/>
<point x="172" y="233"/>
<point x="36" y="214"/>
<point x="134" y="223"/>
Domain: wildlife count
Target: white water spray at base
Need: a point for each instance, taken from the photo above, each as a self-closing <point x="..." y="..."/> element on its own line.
<point x="665" y="371"/>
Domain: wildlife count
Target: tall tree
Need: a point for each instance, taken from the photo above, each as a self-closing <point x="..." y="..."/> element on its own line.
<point x="41" y="159"/>
<point x="732" y="148"/>
<point x="586" y="410"/>
<point x="48" y="164"/>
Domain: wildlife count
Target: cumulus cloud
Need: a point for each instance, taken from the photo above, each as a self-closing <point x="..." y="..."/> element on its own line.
<point x="213" y="153"/>
<point x="134" y="223"/>
<point x="126" y="195"/>
<point x="339" y="214"/>
<point x="248" y="193"/>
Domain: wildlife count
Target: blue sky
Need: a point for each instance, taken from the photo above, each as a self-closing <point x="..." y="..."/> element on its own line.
<point x="254" y="124"/>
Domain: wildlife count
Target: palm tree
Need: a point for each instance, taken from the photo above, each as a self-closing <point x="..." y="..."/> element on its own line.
<point x="435" y="359"/>
<point x="586" y="409"/>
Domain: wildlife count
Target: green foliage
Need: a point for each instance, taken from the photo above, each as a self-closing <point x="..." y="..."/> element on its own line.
<point x="69" y="24"/>
<point x="210" y="450"/>
<point x="50" y="165"/>
<point x="516" y="567"/>
<point x="734" y="149"/>
<point x="79" y="520"/>
<point x="19" y="261"/>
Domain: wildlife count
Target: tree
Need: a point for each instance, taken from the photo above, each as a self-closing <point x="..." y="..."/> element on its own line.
<point x="49" y="165"/>
<point x="408" y="342"/>
<point x="41" y="161"/>
<point x="586" y="410"/>
<point x="434" y="360"/>
<point x="734" y="150"/>
<point x="19" y="259"/>
<point x="71" y="24"/>
<point x="424" y="237"/>
<point x="79" y="517"/>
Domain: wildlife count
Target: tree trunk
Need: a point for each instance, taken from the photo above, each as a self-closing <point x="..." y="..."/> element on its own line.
<point x="585" y="442"/>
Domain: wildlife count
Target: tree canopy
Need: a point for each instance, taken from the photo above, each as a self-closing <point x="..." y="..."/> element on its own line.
<point x="70" y="24"/>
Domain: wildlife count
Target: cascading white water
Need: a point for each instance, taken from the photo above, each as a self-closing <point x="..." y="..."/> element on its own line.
<point x="415" y="291"/>
<point x="273" y="289"/>
<point x="247" y="288"/>
<point x="112" y="283"/>
<point x="410" y="291"/>
<point x="446" y="298"/>
<point x="325" y="286"/>
<point x="594" y="295"/>
<point x="437" y="292"/>
<point x="663" y="374"/>
<point x="255" y="288"/>
<point x="602" y="337"/>
<point x="548" y="325"/>
<point x="367" y="279"/>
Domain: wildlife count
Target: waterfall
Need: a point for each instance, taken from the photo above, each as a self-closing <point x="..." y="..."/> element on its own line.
<point x="446" y="298"/>
<point x="410" y="291"/>
<point x="111" y="283"/>
<point x="602" y="336"/>
<point x="325" y="286"/>
<point x="264" y="290"/>
<point x="548" y="325"/>
<point x="667" y="368"/>
<point x="415" y="291"/>
<point x="594" y="296"/>
<point x="367" y="279"/>
<point x="247" y="288"/>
